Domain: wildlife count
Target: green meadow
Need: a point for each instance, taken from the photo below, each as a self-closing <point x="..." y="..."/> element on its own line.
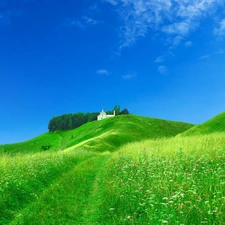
<point x="123" y="170"/>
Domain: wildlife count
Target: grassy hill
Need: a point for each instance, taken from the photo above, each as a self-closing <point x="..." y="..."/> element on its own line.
<point x="216" y="124"/>
<point x="104" y="135"/>
<point x="159" y="178"/>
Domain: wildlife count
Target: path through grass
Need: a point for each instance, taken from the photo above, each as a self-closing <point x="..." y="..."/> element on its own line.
<point x="25" y="178"/>
<point x="69" y="200"/>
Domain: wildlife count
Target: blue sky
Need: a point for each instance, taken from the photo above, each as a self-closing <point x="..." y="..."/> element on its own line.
<point x="161" y="58"/>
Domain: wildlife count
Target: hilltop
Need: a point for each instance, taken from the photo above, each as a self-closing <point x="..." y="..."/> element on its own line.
<point x="104" y="135"/>
<point x="215" y="124"/>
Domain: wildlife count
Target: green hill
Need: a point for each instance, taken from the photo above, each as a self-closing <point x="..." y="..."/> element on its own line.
<point x="86" y="178"/>
<point x="104" y="135"/>
<point x="216" y="124"/>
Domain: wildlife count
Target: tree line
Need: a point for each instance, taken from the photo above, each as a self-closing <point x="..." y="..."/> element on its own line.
<point x="71" y="121"/>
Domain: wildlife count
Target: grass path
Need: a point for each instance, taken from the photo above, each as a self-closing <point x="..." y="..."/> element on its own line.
<point x="24" y="178"/>
<point x="70" y="200"/>
<point x="86" y="142"/>
<point x="91" y="213"/>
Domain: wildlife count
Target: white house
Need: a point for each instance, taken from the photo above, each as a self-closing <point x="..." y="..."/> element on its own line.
<point x="103" y="115"/>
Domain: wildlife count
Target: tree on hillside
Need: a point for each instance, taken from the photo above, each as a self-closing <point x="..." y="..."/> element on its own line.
<point x="70" y="121"/>
<point x="109" y="112"/>
<point x="70" y="125"/>
<point x="117" y="109"/>
<point x="124" y="111"/>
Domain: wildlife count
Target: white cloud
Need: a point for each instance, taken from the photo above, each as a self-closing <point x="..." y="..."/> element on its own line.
<point x="113" y="2"/>
<point x="220" y="31"/>
<point x="207" y="56"/>
<point x="102" y="72"/>
<point x="72" y="23"/>
<point x="94" y="8"/>
<point x="162" y="69"/>
<point x="177" y="40"/>
<point x="160" y="59"/>
<point x="220" y="52"/>
<point x="89" y="20"/>
<point x="178" y="28"/>
<point x="129" y="76"/>
<point x="175" y="18"/>
<point x="82" y="23"/>
<point x="188" y="44"/>
<point x="204" y="57"/>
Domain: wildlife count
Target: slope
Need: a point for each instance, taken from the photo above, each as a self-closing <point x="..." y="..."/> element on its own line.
<point x="34" y="145"/>
<point x="104" y="135"/>
<point x="215" y="124"/>
<point x="110" y="134"/>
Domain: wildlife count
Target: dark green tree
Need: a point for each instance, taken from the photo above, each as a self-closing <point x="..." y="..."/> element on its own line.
<point x="70" y="124"/>
<point x="124" y="111"/>
<point x="117" y="109"/>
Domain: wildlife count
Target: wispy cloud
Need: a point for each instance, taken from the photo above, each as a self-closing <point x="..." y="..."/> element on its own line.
<point x="89" y="20"/>
<point x="178" y="28"/>
<point x="71" y="22"/>
<point x="220" y="52"/>
<point x="175" y="18"/>
<point x="163" y="69"/>
<point x="188" y="44"/>
<point x="220" y="31"/>
<point x="82" y="22"/>
<point x="207" y="56"/>
<point x="94" y="8"/>
<point x="102" y="72"/>
<point x="129" y="76"/>
<point x="113" y="2"/>
<point x="160" y="59"/>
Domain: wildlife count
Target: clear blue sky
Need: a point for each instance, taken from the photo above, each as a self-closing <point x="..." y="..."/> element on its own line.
<point x="161" y="58"/>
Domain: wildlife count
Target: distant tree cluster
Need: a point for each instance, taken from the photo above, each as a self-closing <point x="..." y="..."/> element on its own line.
<point x="124" y="111"/>
<point x="117" y="111"/>
<point x="71" y="121"/>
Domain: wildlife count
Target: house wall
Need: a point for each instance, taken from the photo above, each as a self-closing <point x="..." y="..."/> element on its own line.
<point x="103" y="115"/>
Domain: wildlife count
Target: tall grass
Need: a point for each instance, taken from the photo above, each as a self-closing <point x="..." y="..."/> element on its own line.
<point x="170" y="181"/>
<point x="23" y="178"/>
<point x="67" y="199"/>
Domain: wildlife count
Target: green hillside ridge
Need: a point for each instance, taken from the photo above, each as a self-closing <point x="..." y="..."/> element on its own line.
<point x="215" y="124"/>
<point x="104" y="135"/>
<point x="100" y="177"/>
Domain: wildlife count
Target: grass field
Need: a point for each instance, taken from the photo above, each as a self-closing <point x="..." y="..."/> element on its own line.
<point x="171" y="181"/>
<point x="153" y="177"/>
<point x="24" y="178"/>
